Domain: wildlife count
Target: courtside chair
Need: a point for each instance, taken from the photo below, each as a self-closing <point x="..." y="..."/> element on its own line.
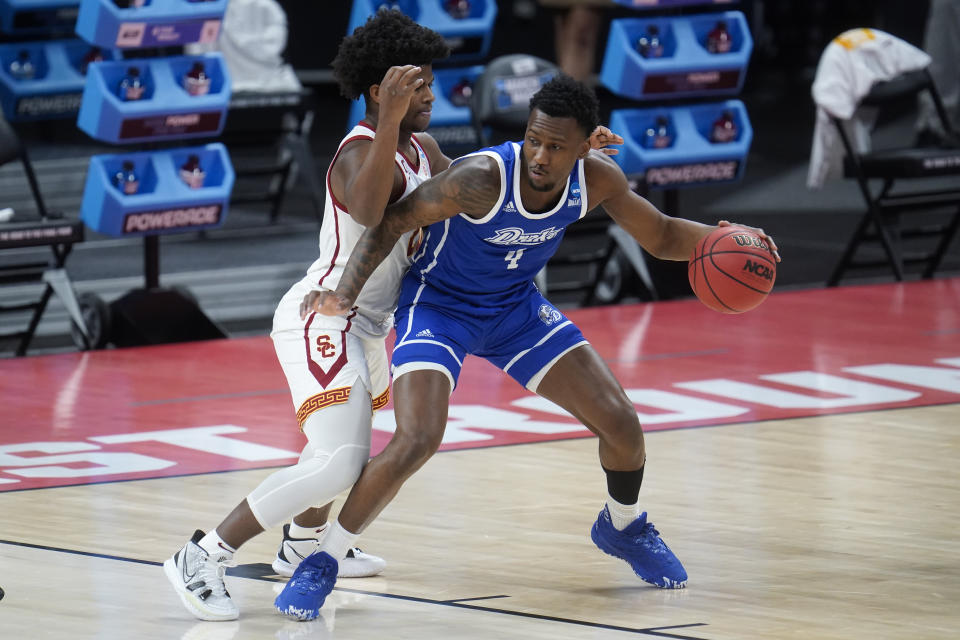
<point x="895" y="184"/>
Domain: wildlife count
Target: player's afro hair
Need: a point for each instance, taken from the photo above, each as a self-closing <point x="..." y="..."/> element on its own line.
<point x="564" y="97"/>
<point x="389" y="38"/>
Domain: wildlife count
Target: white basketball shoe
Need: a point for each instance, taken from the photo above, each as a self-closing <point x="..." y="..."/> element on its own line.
<point x="357" y="564"/>
<point x="197" y="577"/>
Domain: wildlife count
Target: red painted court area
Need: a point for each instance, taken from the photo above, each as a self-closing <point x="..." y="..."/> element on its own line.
<point x="223" y="405"/>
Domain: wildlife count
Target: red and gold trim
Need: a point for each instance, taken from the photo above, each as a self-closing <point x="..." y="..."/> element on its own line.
<point x="321" y="400"/>
<point x="381" y="400"/>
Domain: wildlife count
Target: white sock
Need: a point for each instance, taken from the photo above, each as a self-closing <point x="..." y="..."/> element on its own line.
<point x="621" y="515"/>
<point x="338" y="541"/>
<point x="213" y="544"/>
<point x="296" y="531"/>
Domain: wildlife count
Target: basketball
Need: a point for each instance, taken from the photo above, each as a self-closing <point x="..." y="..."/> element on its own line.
<point x="732" y="270"/>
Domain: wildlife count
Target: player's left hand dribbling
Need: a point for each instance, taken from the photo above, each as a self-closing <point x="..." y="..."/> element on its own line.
<point x="326" y="303"/>
<point x="760" y="232"/>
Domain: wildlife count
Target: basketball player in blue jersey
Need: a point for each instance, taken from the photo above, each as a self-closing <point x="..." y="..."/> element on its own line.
<point x="337" y="368"/>
<point x="495" y="218"/>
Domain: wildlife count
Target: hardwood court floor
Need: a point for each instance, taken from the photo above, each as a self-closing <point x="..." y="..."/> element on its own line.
<point x="815" y="513"/>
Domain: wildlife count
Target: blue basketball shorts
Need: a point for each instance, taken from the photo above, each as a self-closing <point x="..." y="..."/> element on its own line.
<point x="524" y="337"/>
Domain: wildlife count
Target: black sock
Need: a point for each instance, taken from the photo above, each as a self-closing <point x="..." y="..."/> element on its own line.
<point x="624" y="486"/>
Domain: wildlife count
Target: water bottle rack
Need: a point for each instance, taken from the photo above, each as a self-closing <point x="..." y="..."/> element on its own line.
<point x="165" y="112"/>
<point x="469" y="38"/>
<point x="163" y="203"/>
<point x="686" y="68"/>
<point x="692" y="159"/>
<point x="30" y="17"/>
<point x="158" y="23"/>
<point x="57" y="85"/>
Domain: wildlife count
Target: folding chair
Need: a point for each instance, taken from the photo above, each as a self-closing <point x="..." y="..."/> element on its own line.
<point x="908" y="168"/>
<point x="49" y="229"/>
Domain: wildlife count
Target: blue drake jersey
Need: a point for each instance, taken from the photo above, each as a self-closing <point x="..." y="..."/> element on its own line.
<point x="487" y="262"/>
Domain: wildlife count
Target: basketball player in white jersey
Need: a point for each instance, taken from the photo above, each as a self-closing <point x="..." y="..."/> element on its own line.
<point x="336" y="367"/>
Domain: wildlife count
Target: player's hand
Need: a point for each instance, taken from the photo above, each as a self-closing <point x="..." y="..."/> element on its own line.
<point x="396" y="89"/>
<point x="326" y="303"/>
<point x="759" y="232"/>
<point x="602" y="137"/>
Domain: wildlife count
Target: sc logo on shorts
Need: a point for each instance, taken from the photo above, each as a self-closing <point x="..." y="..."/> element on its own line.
<point x="549" y="315"/>
<point x="325" y="347"/>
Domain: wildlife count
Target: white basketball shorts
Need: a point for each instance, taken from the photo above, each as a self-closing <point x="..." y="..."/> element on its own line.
<point x="322" y="359"/>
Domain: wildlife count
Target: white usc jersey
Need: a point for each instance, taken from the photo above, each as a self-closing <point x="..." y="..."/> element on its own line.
<point x="339" y="234"/>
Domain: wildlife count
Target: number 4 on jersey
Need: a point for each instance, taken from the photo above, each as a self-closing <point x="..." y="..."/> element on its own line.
<point x="513" y="258"/>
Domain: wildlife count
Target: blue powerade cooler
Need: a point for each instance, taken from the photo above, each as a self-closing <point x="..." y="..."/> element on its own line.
<point x="159" y="23"/>
<point x="692" y="158"/>
<point x="165" y="112"/>
<point x="56" y="88"/>
<point x="686" y="68"/>
<point x="164" y="203"/>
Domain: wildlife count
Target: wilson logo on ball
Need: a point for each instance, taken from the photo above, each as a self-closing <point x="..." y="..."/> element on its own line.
<point x="758" y="269"/>
<point x="745" y="240"/>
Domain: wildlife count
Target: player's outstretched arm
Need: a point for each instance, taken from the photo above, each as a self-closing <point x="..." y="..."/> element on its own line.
<point x="662" y="236"/>
<point x="472" y="186"/>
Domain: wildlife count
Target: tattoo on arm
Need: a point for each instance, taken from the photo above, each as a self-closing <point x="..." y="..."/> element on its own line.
<point x="470" y="187"/>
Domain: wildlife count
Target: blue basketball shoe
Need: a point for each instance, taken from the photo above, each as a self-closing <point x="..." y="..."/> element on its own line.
<point x="640" y="545"/>
<point x="310" y="585"/>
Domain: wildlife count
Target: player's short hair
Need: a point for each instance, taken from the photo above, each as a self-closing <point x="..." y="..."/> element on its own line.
<point x="389" y="38"/>
<point x="564" y="97"/>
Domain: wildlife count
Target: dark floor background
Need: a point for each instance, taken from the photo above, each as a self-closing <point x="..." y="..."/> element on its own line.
<point x="239" y="272"/>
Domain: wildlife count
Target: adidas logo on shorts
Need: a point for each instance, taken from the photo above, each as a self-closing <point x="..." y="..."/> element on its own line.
<point x="426" y="333"/>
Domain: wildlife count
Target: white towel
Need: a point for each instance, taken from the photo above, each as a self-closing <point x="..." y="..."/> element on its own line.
<point x="849" y="67"/>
